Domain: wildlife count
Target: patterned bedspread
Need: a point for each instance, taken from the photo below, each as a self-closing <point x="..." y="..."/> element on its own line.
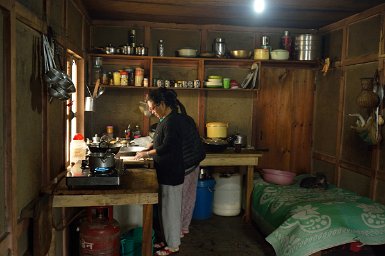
<point x="309" y="220"/>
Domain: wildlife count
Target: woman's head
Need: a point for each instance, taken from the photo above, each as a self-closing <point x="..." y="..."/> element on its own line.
<point x="161" y="100"/>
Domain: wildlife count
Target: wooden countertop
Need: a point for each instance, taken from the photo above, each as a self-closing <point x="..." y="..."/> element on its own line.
<point x="228" y="157"/>
<point x="137" y="186"/>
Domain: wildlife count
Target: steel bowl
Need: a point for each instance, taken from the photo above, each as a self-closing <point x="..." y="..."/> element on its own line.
<point x="240" y="54"/>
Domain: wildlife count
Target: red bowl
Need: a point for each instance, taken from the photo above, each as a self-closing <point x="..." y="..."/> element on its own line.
<point x="278" y="177"/>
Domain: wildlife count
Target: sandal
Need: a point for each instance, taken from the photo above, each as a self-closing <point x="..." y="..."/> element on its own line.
<point x="166" y="251"/>
<point x="160" y="245"/>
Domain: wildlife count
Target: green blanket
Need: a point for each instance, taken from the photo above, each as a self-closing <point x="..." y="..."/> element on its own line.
<point x="309" y="220"/>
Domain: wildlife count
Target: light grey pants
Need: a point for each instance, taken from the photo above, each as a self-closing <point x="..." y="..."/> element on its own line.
<point x="171" y="210"/>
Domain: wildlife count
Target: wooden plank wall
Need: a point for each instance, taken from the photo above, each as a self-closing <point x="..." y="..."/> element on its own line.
<point x="338" y="151"/>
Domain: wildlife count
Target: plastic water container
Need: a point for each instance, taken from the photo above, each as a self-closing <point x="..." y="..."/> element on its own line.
<point x="204" y="199"/>
<point x="227" y="195"/>
<point x="78" y="148"/>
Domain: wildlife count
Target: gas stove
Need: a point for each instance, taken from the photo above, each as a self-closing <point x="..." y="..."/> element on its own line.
<point x="81" y="176"/>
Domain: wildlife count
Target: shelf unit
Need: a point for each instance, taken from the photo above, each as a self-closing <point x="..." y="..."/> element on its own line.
<point x="189" y="68"/>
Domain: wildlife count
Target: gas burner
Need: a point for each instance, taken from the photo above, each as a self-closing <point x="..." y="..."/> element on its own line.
<point x="92" y="178"/>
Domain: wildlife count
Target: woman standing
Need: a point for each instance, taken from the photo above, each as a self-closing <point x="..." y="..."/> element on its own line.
<point x="168" y="161"/>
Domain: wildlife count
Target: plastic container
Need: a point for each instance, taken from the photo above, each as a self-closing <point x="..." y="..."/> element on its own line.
<point x="78" y="148"/>
<point x="228" y="194"/>
<point x="131" y="242"/>
<point x="204" y="200"/>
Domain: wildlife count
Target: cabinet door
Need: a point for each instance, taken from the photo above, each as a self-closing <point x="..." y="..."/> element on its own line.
<point x="284" y="108"/>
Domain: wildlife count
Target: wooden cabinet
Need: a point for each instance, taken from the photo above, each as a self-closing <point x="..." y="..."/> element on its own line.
<point x="284" y="115"/>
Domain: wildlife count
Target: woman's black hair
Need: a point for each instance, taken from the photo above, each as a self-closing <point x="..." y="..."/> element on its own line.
<point x="168" y="97"/>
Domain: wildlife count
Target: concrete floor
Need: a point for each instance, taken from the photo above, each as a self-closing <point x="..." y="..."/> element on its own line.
<point x="230" y="236"/>
<point x="222" y="236"/>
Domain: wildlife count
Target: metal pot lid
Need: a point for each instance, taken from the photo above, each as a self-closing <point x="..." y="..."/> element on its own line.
<point x="217" y="124"/>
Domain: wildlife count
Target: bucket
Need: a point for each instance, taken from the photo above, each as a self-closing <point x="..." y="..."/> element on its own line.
<point x="307" y="47"/>
<point x="228" y="194"/>
<point x="131" y="242"/>
<point x="204" y="199"/>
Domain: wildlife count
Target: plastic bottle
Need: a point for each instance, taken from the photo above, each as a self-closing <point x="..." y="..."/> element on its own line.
<point x="78" y="149"/>
<point x="160" y="48"/>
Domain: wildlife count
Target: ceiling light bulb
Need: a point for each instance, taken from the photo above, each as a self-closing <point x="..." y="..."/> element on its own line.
<point x="259" y="5"/>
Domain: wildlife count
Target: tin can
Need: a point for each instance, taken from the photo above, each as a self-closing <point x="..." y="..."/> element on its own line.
<point x="166" y="83"/>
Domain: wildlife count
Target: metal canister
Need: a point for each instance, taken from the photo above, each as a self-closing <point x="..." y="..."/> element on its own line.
<point x="219" y="47"/>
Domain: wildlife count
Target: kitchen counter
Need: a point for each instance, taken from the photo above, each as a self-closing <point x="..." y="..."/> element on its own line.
<point x="138" y="186"/>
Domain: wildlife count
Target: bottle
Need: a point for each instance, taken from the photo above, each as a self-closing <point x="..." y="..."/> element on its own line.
<point x="78" y="149"/>
<point x="160" y="48"/>
<point x="110" y="131"/>
<point x="286" y="41"/>
<point x="132" y="38"/>
<point x="137" y="133"/>
<point x="127" y="133"/>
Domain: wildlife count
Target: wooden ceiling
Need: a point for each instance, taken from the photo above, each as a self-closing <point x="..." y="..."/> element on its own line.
<point x="307" y="14"/>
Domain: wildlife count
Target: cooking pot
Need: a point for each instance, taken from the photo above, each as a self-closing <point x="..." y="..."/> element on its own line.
<point x="101" y="160"/>
<point x="237" y="139"/>
<point x="104" y="147"/>
<point x="216" y="130"/>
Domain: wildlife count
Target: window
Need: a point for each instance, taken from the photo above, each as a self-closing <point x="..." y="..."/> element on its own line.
<point x="74" y="115"/>
<point x="2" y="131"/>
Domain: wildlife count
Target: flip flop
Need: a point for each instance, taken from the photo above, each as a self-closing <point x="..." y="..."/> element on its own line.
<point x="166" y="251"/>
<point x="158" y="246"/>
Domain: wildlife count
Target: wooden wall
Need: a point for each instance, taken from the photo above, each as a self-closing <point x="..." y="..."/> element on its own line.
<point x="356" y="48"/>
<point x="32" y="141"/>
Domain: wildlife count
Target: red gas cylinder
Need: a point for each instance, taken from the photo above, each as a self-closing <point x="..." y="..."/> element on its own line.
<point x="100" y="233"/>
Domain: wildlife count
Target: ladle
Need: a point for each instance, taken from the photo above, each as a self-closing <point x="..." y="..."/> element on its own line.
<point x="101" y="91"/>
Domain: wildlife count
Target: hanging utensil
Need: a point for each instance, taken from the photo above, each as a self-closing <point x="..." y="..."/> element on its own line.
<point x="95" y="93"/>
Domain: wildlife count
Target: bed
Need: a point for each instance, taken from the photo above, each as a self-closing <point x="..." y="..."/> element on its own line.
<point x="300" y="221"/>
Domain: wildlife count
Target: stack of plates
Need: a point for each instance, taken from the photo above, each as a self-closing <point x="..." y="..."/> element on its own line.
<point x="213" y="82"/>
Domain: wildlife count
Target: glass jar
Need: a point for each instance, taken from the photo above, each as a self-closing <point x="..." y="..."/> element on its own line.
<point x="131" y="76"/>
<point x="123" y="78"/>
<point x="139" y="72"/>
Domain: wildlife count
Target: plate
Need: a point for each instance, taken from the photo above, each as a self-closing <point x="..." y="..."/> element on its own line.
<point x="214" y="86"/>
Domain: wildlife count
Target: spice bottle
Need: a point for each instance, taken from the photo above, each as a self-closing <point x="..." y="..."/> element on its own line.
<point x="123" y="78"/>
<point x="160" y="48"/>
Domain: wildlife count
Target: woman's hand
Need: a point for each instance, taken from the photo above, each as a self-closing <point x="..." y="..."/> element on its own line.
<point x="141" y="154"/>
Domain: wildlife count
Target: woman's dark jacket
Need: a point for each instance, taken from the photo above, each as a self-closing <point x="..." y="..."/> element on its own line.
<point x="193" y="148"/>
<point x="167" y="141"/>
